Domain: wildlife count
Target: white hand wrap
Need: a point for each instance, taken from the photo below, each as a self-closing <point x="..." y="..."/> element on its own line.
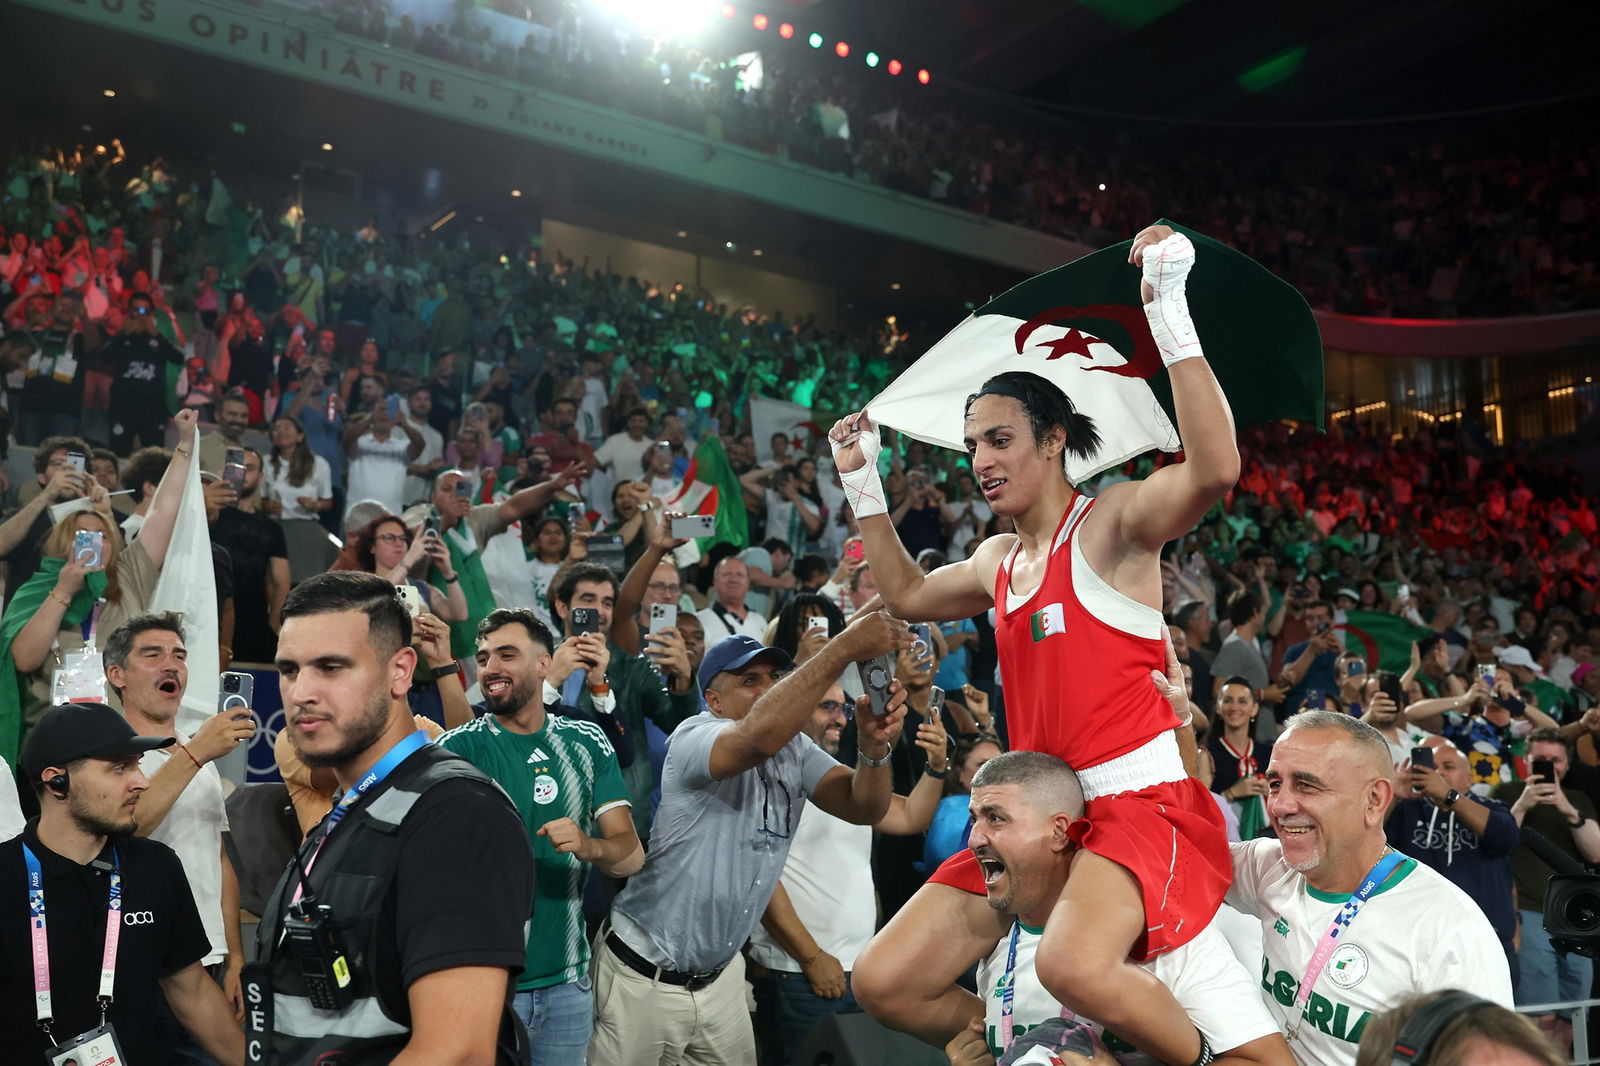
<point x="1166" y="269"/>
<point x="863" y="489"/>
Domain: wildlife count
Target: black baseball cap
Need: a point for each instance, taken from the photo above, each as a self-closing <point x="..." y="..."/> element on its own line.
<point x="737" y="652"/>
<point x="82" y="731"/>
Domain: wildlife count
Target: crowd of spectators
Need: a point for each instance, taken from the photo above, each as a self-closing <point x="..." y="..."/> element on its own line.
<point x="507" y="434"/>
<point x="1365" y="226"/>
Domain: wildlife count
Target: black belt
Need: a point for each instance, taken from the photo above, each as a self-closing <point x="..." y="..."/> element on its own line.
<point x="636" y="962"/>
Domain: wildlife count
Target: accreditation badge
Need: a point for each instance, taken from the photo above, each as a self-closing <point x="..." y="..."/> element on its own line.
<point x="97" y="1047"/>
<point x="80" y="679"/>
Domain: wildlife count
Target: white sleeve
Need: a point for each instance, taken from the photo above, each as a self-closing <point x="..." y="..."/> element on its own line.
<point x="1216" y="991"/>
<point x="1248" y="865"/>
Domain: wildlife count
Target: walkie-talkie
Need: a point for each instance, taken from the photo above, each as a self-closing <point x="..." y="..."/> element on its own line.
<point x="309" y="932"/>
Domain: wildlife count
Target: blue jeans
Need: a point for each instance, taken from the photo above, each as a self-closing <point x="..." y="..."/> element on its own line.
<point x="1546" y="976"/>
<point x="559" y="1020"/>
<point x="787" y="1010"/>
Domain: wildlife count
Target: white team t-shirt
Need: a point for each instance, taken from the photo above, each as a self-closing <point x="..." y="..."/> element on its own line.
<point x="828" y="876"/>
<point x="1418" y="933"/>
<point x="275" y="485"/>
<point x="193" y="829"/>
<point x="1206" y="978"/>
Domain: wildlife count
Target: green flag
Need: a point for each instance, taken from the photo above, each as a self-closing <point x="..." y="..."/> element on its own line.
<point x="1384" y="639"/>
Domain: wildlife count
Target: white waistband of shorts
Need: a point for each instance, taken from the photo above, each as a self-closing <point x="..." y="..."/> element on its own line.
<point x="1155" y="762"/>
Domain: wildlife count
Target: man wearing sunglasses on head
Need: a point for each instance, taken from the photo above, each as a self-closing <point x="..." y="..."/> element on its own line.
<point x="668" y="976"/>
<point x="141" y="400"/>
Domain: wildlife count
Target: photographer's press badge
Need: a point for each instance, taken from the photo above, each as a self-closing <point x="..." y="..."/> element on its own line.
<point x="97" y="1047"/>
<point x="81" y="678"/>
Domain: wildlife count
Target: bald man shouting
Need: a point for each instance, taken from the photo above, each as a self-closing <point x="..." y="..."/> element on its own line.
<point x="1349" y="926"/>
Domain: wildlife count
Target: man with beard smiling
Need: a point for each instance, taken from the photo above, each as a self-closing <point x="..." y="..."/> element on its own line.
<point x="432" y="930"/>
<point x="562" y="775"/>
<point x="1401" y="928"/>
<point x="1022" y="805"/>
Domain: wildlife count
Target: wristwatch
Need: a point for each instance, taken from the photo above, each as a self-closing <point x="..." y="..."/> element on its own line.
<point x="447" y="670"/>
<point x="1451" y="798"/>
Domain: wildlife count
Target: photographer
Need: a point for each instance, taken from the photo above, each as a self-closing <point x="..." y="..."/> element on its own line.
<point x="1469" y="839"/>
<point x="1566" y="818"/>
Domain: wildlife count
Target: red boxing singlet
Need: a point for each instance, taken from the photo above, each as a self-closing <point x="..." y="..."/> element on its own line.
<point x="1075" y="687"/>
<point x="1079" y="688"/>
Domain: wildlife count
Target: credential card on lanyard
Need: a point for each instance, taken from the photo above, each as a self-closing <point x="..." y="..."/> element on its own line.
<point x="1340" y="924"/>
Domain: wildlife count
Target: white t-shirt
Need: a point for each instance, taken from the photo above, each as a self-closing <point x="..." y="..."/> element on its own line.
<point x="378" y="469"/>
<point x="421" y="488"/>
<point x="11" y="819"/>
<point x="1418" y="933"/>
<point x="275" y="485"/>
<point x="828" y="876"/>
<point x="719" y="622"/>
<point x="624" y="455"/>
<point x="193" y="829"/>
<point x="967" y="529"/>
<point x="1207" y="979"/>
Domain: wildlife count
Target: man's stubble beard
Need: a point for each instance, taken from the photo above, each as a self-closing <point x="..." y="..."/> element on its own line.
<point x="357" y="737"/>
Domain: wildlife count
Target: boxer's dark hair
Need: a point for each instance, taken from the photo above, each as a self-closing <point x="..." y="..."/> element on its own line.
<point x="1046" y="407"/>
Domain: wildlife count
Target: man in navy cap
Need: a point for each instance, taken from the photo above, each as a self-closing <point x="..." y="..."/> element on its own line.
<point x="111" y="911"/>
<point x="668" y="977"/>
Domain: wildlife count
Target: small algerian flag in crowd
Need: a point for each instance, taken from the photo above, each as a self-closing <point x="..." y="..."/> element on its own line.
<point x="769" y="416"/>
<point x="1383" y="639"/>
<point x="1048" y="622"/>
<point x="711" y="487"/>
<point x="1082" y="326"/>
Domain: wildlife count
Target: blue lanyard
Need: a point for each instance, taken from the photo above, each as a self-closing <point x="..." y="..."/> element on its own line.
<point x="1341" y="924"/>
<point x="41" y="941"/>
<point x="1009" y="994"/>
<point x="395" y="756"/>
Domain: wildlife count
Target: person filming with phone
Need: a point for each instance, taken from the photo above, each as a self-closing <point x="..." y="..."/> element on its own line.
<point x="1566" y="818"/>
<point x="147" y="666"/>
<point x="1469" y="839"/>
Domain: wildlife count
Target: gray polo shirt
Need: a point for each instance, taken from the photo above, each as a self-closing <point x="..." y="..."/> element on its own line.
<point x="717" y="849"/>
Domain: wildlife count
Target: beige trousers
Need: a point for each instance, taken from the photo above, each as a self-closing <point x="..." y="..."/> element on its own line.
<point x="639" y="1021"/>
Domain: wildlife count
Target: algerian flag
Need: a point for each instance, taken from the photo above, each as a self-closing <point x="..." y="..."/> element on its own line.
<point x="1047" y="622"/>
<point x="188" y="583"/>
<point x="711" y="487"/>
<point x="1082" y="326"/>
<point x="1384" y="639"/>
<point x="768" y="416"/>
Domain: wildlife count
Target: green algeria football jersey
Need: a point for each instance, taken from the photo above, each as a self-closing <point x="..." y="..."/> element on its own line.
<point x="566" y="770"/>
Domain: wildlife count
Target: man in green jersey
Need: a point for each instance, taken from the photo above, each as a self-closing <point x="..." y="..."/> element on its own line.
<point x="562" y="774"/>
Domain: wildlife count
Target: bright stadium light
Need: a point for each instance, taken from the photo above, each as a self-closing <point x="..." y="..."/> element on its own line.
<point x="759" y="22"/>
<point x="872" y="59"/>
<point x="895" y="66"/>
<point x="815" y="40"/>
<point x="786" y="30"/>
<point x="678" y="18"/>
<point x="842" y="50"/>
<point x="924" y="77"/>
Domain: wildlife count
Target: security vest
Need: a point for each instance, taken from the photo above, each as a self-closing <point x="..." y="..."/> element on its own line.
<point x="352" y="877"/>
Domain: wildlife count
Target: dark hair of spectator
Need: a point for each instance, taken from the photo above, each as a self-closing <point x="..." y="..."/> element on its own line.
<point x="107" y="455"/>
<point x="1242" y="682"/>
<point x="145" y="467"/>
<point x="1493" y="1024"/>
<point x="120" y="642"/>
<point x="776" y="544"/>
<point x="791" y="621"/>
<point x="1242" y="606"/>
<point x="576" y="575"/>
<point x="302" y="462"/>
<point x="50" y="445"/>
<point x="1428" y="643"/>
<point x="1324" y="604"/>
<point x="1548" y="735"/>
<point x="388" y="621"/>
<point x="1046" y="407"/>
<point x="809" y="566"/>
<point x="501" y="617"/>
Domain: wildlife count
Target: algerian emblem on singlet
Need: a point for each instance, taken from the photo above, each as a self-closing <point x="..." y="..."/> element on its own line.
<point x="1048" y="622"/>
<point x="544" y="789"/>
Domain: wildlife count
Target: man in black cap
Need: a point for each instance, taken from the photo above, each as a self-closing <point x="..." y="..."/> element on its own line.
<point x="77" y="867"/>
<point x="669" y="978"/>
